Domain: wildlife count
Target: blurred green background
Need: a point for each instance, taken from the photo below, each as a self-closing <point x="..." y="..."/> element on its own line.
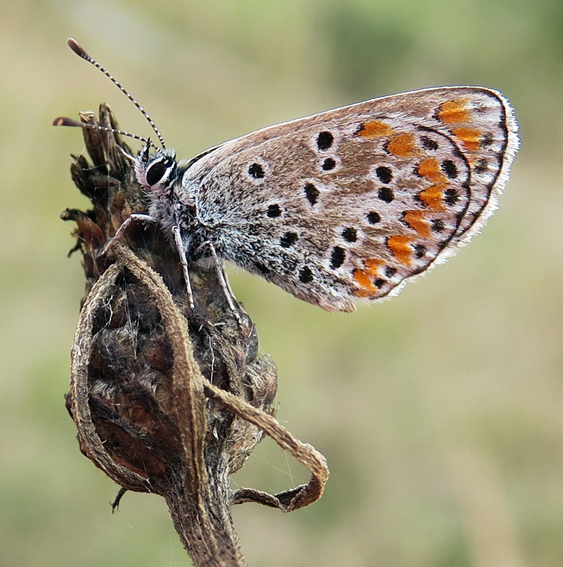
<point x="440" y="412"/>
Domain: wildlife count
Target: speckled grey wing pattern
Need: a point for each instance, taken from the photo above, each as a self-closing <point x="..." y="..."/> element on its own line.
<point x="350" y="203"/>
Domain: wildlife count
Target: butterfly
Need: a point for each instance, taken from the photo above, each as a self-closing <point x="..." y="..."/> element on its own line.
<point x="345" y="205"/>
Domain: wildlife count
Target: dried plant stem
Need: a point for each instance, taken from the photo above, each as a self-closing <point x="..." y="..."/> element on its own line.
<point x="167" y="398"/>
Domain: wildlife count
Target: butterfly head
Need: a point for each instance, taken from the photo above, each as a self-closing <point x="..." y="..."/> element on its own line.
<point x="156" y="172"/>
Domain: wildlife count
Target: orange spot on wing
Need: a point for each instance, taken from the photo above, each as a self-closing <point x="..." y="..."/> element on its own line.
<point x="415" y="219"/>
<point x="454" y="112"/>
<point x="469" y="137"/>
<point x="373" y="264"/>
<point x="375" y="129"/>
<point x="399" y="246"/>
<point x="363" y="279"/>
<point x="402" y="145"/>
<point x="429" y="168"/>
<point x="433" y="196"/>
<point x="362" y="293"/>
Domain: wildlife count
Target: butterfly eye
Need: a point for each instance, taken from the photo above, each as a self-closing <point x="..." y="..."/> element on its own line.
<point x="157" y="170"/>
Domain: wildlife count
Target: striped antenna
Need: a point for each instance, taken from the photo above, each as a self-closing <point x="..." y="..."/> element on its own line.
<point x="73" y="44"/>
<point x="64" y="121"/>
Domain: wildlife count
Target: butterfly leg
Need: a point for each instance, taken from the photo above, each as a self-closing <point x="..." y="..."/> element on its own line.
<point x="135" y="217"/>
<point x="229" y="295"/>
<point x="184" y="261"/>
<point x="139" y="217"/>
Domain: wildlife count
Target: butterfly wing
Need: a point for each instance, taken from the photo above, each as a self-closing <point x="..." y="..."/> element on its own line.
<point x="353" y="202"/>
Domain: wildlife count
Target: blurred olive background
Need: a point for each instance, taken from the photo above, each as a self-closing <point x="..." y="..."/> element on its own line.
<point x="440" y="412"/>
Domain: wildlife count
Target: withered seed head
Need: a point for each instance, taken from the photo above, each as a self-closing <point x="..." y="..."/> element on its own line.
<point x="129" y="362"/>
<point x="167" y="399"/>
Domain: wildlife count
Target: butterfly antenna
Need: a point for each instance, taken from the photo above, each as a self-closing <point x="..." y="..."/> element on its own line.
<point x="73" y="44"/>
<point x="64" y="121"/>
